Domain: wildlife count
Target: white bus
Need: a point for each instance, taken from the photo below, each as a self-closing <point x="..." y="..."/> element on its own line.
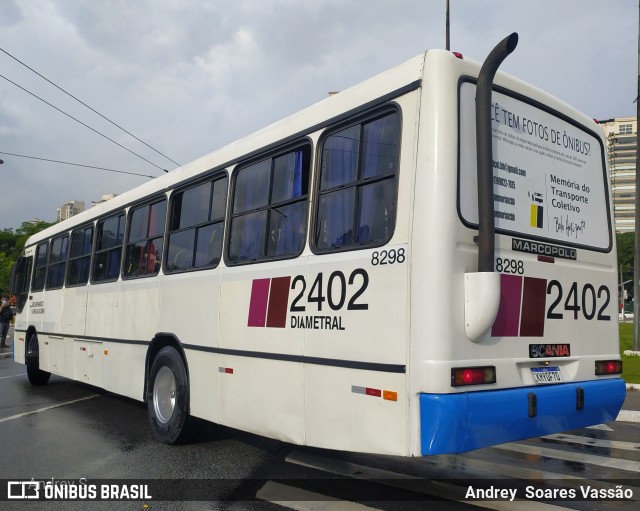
<point x="339" y="280"/>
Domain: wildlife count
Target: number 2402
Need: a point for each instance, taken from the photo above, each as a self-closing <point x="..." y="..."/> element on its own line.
<point x="586" y="301"/>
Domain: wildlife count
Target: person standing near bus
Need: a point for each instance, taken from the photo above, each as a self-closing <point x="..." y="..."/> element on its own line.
<point x="5" y="318"/>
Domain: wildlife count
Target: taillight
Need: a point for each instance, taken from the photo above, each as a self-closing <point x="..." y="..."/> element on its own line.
<point x="461" y="376"/>
<point x="608" y="367"/>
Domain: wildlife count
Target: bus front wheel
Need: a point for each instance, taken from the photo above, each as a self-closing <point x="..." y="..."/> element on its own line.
<point x="168" y="397"/>
<point x="34" y="373"/>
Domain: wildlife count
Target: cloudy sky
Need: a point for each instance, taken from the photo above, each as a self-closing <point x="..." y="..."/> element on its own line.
<point x="189" y="76"/>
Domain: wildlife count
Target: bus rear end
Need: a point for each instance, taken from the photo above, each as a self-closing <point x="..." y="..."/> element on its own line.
<point x="530" y="348"/>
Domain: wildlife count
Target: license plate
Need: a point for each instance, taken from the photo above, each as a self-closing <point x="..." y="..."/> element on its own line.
<point x="543" y="375"/>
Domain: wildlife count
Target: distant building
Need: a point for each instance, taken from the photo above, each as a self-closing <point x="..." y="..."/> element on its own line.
<point x="69" y="209"/>
<point x="621" y="139"/>
<point x="104" y="198"/>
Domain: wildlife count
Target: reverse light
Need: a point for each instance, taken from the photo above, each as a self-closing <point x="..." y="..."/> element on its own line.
<point x="608" y="367"/>
<point x="461" y="376"/>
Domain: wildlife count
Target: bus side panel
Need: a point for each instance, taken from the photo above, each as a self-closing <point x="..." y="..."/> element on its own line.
<point x="45" y="309"/>
<point x="123" y="368"/>
<point x="89" y="359"/>
<point x="353" y="306"/>
<point x="360" y="411"/>
<point x="260" y="377"/>
<point x="122" y="365"/>
<point x="204" y="379"/>
<point x="189" y="308"/>
<point x="74" y="310"/>
<point x="262" y="396"/>
<point x="138" y="310"/>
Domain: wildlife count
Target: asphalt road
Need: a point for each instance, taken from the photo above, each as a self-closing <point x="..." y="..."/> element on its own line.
<point x="68" y="431"/>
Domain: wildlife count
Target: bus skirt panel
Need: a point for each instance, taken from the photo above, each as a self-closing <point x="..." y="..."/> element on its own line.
<point x="456" y="423"/>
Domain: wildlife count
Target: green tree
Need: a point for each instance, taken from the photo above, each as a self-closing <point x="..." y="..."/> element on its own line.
<point x="11" y="245"/>
<point x="625" y="243"/>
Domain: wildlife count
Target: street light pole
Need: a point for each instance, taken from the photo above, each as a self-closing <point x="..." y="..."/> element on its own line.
<point x="636" y="252"/>
<point x="447" y="30"/>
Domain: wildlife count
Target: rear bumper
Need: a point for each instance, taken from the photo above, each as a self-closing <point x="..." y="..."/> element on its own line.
<point x="455" y="423"/>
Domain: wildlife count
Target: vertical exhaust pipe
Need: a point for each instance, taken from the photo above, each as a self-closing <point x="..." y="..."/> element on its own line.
<point x="484" y="149"/>
<point x="482" y="288"/>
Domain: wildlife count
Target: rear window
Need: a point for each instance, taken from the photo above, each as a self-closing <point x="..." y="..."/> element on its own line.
<point x="549" y="177"/>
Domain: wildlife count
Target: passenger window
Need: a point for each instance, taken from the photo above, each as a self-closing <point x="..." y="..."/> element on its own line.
<point x="21" y="283"/>
<point x="196" y="226"/>
<point x="145" y="240"/>
<point x="57" y="262"/>
<point x="80" y="256"/>
<point x="357" y="185"/>
<point x="109" y="239"/>
<point x="269" y="217"/>
<point x="40" y="267"/>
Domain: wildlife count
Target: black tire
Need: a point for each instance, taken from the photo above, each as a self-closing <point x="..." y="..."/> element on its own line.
<point x="32" y="359"/>
<point x="168" y="397"/>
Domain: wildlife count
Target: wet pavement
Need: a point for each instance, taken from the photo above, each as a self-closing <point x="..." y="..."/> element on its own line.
<point x="67" y="430"/>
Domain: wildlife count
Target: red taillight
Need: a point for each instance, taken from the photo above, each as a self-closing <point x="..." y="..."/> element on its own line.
<point x="461" y="376"/>
<point x="608" y="367"/>
<point x="458" y="55"/>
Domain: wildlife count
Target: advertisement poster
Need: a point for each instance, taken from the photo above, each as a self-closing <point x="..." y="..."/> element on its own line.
<point x="548" y="175"/>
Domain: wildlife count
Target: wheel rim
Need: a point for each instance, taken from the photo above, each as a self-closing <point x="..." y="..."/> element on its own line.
<point x="164" y="394"/>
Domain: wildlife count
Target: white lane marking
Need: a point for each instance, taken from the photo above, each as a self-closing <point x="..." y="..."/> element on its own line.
<point x="603" y="461"/>
<point x="12" y="376"/>
<point x="57" y="405"/>
<point x="602" y="427"/>
<point x="303" y="500"/>
<point x="406" y="482"/>
<point x="628" y="416"/>
<point x="595" y="442"/>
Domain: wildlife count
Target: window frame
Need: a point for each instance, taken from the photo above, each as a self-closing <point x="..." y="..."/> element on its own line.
<point x="43" y="267"/>
<point x="72" y="259"/>
<point x="625" y="129"/>
<point x="359" y="182"/>
<point x="96" y="252"/>
<point x="50" y="265"/>
<point x="307" y="147"/>
<point x="127" y="243"/>
<point x="211" y="179"/>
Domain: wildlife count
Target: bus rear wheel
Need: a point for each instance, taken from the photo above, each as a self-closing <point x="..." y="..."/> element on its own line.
<point x="34" y="373"/>
<point x="168" y="397"/>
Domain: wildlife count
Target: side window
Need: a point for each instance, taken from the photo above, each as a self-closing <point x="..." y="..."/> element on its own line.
<point x="269" y="217"/>
<point x="40" y="267"/>
<point x="357" y="185"/>
<point x="20" y="281"/>
<point x="109" y="238"/>
<point x="80" y="256"/>
<point x="57" y="262"/>
<point x="196" y="226"/>
<point x="145" y="239"/>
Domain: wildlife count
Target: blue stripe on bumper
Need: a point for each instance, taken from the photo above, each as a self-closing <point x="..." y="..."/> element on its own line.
<point x="455" y="423"/>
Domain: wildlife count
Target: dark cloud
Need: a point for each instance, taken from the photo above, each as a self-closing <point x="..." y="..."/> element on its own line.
<point x="189" y="76"/>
